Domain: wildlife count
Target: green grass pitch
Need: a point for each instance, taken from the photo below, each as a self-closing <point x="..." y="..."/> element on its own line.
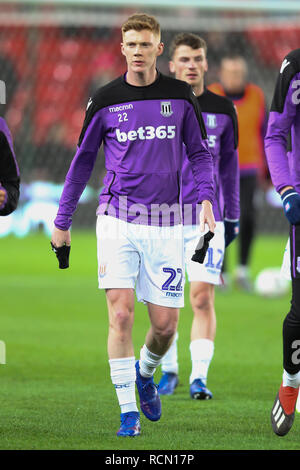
<point x="56" y="391"/>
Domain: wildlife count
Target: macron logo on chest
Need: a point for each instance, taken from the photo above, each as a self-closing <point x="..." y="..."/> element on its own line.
<point x="121" y="107"/>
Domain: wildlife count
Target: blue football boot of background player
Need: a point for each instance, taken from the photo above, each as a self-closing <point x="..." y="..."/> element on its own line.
<point x="168" y="383"/>
<point x="199" y="391"/>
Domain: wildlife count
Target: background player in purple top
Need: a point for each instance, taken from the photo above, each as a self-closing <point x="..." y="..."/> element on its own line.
<point x="143" y="120"/>
<point x="282" y="145"/>
<point x="189" y="63"/>
<point x="249" y="102"/>
<point x="9" y="172"/>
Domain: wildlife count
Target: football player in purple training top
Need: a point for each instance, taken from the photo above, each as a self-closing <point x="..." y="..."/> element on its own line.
<point x="143" y="119"/>
<point x="282" y="145"/>
<point x="9" y="172"/>
<point x="189" y="63"/>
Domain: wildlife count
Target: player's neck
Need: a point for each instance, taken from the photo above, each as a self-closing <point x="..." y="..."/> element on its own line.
<point x="199" y="89"/>
<point x="141" y="78"/>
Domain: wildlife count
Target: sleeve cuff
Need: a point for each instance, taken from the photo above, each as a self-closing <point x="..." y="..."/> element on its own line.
<point x="288" y="193"/>
<point x="206" y="197"/>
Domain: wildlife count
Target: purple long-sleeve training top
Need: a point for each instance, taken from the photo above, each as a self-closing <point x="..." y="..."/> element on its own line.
<point x="282" y="141"/>
<point x="222" y="129"/>
<point x="143" y="130"/>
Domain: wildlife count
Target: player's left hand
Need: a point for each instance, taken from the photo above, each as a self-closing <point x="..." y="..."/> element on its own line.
<point x="207" y="217"/>
<point x="232" y="228"/>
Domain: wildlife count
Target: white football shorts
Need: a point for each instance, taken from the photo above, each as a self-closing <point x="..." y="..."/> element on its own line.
<point x="210" y="270"/>
<point x="149" y="259"/>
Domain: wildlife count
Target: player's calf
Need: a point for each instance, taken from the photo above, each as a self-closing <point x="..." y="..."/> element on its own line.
<point x="167" y="383"/>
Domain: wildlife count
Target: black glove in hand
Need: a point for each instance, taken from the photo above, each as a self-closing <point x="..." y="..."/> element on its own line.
<point x="62" y="254"/>
<point x="202" y="247"/>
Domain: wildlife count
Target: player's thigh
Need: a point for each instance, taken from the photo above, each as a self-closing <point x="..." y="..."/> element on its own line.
<point x="161" y="276"/>
<point x="118" y="258"/>
<point x="209" y="271"/>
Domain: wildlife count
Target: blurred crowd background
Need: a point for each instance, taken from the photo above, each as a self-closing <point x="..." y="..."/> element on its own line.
<point x="52" y="58"/>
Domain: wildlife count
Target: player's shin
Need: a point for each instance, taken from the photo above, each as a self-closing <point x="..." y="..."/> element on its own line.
<point x="148" y="362"/>
<point x="123" y="375"/>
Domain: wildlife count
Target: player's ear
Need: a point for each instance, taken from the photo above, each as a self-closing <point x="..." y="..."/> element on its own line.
<point x="206" y="66"/>
<point x="122" y="48"/>
<point x="171" y="66"/>
<point x="160" y="48"/>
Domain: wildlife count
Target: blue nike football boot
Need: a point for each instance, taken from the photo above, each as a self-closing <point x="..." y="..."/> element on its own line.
<point x="149" y="398"/>
<point x="130" y="424"/>
<point x="198" y="391"/>
<point x="168" y="383"/>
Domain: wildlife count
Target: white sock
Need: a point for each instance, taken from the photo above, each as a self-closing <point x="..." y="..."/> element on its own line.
<point x="290" y="380"/>
<point x="202" y="351"/>
<point x="242" y="271"/>
<point x="169" y="362"/>
<point x="123" y="375"/>
<point x="148" y="362"/>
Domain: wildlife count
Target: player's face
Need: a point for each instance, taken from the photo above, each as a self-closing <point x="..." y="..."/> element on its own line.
<point x="189" y="64"/>
<point x="233" y="75"/>
<point x="141" y="48"/>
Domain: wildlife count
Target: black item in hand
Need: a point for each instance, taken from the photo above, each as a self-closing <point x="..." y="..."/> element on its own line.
<point x="62" y="254"/>
<point x="202" y="247"/>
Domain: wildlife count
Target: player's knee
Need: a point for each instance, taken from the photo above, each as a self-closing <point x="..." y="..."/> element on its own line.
<point x="122" y="319"/>
<point x="202" y="301"/>
<point x="165" y="333"/>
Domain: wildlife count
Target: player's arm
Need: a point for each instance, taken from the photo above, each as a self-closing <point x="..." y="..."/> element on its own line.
<point x="195" y="139"/>
<point x="230" y="177"/>
<point x="78" y="175"/>
<point x="282" y="115"/>
<point x="9" y="175"/>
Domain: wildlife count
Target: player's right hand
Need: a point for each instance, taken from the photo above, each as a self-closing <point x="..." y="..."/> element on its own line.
<point x="291" y="205"/>
<point x="61" y="237"/>
<point x="61" y="245"/>
<point x="207" y="217"/>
